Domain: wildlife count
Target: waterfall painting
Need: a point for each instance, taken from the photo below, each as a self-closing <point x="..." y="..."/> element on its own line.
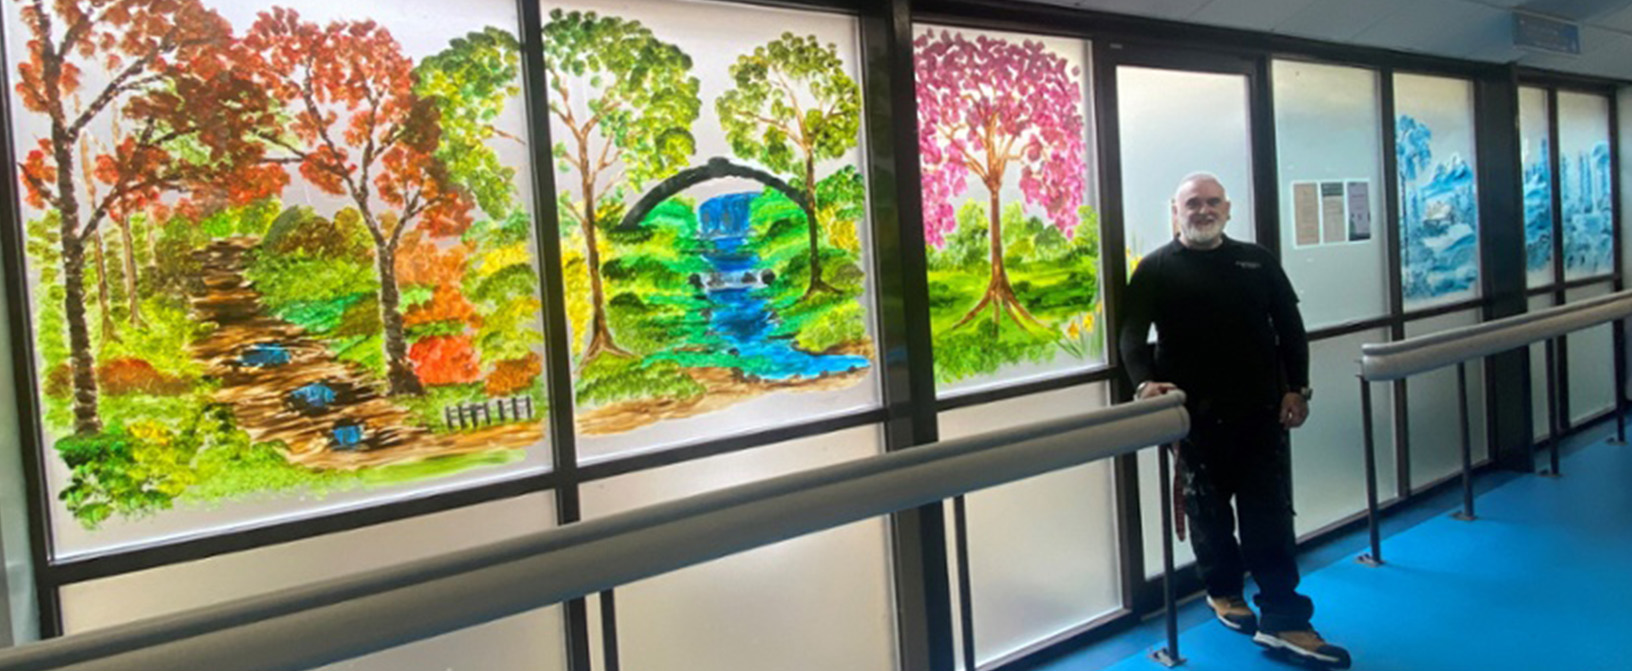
<point x="1439" y="215"/>
<point x="1012" y="239"/>
<point x="279" y="257"/>
<point x="712" y="214"/>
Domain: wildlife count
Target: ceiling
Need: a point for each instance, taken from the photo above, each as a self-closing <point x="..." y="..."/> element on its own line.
<point x="1480" y="30"/>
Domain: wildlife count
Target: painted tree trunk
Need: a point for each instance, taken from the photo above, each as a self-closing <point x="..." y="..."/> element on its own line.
<point x="600" y="333"/>
<point x="399" y="373"/>
<point x="130" y="273"/>
<point x="814" y="227"/>
<point x="999" y="293"/>
<point x="82" y="363"/>
<point x="103" y="299"/>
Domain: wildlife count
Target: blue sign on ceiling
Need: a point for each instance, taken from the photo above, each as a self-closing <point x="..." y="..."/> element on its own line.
<point x="1542" y="33"/>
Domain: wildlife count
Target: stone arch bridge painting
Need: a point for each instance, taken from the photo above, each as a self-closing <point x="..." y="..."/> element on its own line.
<point x="712" y="215"/>
<point x="278" y="252"/>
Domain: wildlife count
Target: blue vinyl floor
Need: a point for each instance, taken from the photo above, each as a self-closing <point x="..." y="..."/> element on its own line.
<point x="1541" y="581"/>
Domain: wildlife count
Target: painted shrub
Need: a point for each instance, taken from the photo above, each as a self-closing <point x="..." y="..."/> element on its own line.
<point x="711" y="208"/>
<point x="268" y="253"/>
<point x="1013" y="248"/>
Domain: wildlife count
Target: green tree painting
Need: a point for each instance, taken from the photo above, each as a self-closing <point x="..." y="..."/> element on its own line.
<point x="627" y="100"/>
<point x="792" y="106"/>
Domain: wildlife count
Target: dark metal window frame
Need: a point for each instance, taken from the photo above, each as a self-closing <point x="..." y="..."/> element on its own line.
<point x="919" y="540"/>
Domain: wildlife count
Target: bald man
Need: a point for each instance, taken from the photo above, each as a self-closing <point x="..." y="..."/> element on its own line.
<point x="1229" y="335"/>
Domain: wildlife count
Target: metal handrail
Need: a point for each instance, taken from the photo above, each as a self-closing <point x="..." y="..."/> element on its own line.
<point x="353" y="616"/>
<point x="1394" y="361"/>
<point x="1381" y="362"/>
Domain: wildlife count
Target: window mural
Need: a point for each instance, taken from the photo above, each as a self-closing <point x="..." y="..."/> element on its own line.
<point x="712" y="217"/>
<point x="1536" y="161"/>
<point x="1584" y="184"/>
<point x="1013" y="240"/>
<point x="275" y="251"/>
<point x="1439" y="215"/>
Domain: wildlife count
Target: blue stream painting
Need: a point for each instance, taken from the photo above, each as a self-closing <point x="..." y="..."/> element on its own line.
<point x="1439" y="216"/>
<point x="1584" y="194"/>
<point x="741" y="322"/>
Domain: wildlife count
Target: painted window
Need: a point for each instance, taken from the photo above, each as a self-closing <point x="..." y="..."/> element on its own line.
<point x="713" y="218"/>
<point x="1439" y="208"/>
<point x="280" y="257"/>
<point x="1011" y="231"/>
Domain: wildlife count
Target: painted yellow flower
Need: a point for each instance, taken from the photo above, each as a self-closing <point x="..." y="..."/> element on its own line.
<point x="149" y="431"/>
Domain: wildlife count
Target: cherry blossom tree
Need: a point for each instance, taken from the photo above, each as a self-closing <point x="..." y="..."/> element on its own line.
<point x="986" y="105"/>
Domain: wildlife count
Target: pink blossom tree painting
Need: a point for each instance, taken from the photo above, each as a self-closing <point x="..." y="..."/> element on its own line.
<point x="991" y="109"/>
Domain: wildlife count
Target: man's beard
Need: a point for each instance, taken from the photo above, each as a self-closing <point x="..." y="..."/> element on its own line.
<point x="1204" y="235"/>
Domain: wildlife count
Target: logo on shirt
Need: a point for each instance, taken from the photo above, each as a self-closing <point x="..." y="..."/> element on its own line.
<point x="1251" y="265"/>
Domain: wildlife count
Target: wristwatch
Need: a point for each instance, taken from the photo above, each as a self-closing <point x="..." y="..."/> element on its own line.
<point x="1308" y="393"/>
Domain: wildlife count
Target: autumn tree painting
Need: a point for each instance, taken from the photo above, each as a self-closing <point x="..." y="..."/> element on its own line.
<point x="271" y="254"/>
<point x="1004" y="114"/>
<point x="169" y="70"/>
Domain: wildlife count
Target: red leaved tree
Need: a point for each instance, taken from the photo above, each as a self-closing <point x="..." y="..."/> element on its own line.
<point x="169" y="69"/>
<point x="986" y="105"/>
<point x="357" y="130"/>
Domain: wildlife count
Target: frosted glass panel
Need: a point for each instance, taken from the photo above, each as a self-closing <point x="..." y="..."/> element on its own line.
<point x="1538" y="376"/>
<point x="1535" y="150"/>
<point x="527" y="642"/>
<point x="1584" y="186"/>
<point x="1043" y="553"/>
<point x="1012" y="237"/>
<point x="1439" y="210"/>
<point x="813" y="603"/>
<point x="1328" y="134"/>
<point x="1165" y="135"/>
<point x="714" y="230"/>
<point x="169" y="589"/>
<point x="1436" y="443"/>
<point x="1592" y="364"/>
<point x="1328" y="451"/>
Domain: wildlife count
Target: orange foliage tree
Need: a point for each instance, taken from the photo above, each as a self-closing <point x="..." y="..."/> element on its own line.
<point x="357" y="130"/>
<point x="170" y="69"/>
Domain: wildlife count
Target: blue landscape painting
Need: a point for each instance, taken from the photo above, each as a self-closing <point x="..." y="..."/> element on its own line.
<point x="1538" y="210"/>
<point x="1588" y="217"/>
<point x="1439" y="216"/>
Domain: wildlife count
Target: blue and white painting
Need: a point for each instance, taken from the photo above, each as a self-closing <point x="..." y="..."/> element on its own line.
<point x="1538" y="209"/>
<point x="1584" y="191"/>
<point x="1439" y="216"/>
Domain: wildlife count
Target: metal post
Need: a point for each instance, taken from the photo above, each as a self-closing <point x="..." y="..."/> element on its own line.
<point x="1552" y="407"/>
<point x="1467" y="448"/>
<point x="1168" y="656"/>
<point x="1619" y="329"/>
<point x="1375" y="558"/>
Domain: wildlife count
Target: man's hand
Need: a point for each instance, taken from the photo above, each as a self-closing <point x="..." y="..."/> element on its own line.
<point x="1154" y="389"/>
<point x="1294" y="410"/>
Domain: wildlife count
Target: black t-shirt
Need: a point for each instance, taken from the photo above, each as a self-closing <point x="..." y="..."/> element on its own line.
<point x="1227" y="324"/>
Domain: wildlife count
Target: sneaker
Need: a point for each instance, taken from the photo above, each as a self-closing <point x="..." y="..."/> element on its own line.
<point x="1305" y="645"/>
<point x="1234" y="613"/>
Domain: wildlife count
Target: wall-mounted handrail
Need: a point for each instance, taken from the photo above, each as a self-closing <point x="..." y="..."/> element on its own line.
<point x="348" y="617"/>
<point x="1382" y="362"/>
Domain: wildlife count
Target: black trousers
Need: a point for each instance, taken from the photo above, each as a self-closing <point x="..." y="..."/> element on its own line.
<point x="1244" y="458"/>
